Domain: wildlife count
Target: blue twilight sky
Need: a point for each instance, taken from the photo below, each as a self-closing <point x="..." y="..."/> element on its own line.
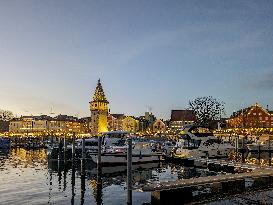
<point x="150" y="55"/>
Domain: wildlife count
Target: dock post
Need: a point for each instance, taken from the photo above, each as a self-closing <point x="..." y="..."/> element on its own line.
<point x="99" y="173"/>
<point x="83" y="148"/>
<point x="73" y="170"/>
<point x="243" y="150"/>
<point x="236" y="146"/>
<point x="73" y="146"/>
<point x="99" y="186"/>
<point x="83" y="171"/>
<point x="65" y="147"/>
<point x="269" y="152"/>
<point x="82" y="184"/>
<point x="259" y="152"/>
<point x="129" y="172"/>
<point x="99" y="152"/>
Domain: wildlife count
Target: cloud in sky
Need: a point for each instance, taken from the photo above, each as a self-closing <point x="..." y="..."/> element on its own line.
<point x="262" y="81"/>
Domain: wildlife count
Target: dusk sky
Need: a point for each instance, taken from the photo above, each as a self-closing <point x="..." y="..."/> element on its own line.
<point x="149" y="54"/>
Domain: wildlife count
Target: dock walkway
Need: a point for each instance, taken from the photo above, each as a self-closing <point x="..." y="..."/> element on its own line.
<point x="183" y="191"/>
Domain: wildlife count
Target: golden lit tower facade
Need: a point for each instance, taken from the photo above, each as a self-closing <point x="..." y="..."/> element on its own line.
<point x="99" y="111"/>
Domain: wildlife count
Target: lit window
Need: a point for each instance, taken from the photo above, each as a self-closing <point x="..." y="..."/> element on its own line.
<point x="254" y="113"/>
<point x="266" y="118"/>
<point x="260" y="113"/>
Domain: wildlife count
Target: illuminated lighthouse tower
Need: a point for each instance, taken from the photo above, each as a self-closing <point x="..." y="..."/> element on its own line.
<point x="99" y="111"/>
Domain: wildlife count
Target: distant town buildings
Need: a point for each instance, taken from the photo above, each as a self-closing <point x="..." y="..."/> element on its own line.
<point x="254" y="116"/>
<point x="46" y="124"/>
<point x="101" y="120"/>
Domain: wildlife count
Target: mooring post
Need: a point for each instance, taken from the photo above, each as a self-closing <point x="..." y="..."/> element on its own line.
<point x="65" y="147"/>
<point x="129" y="172"/>
<point x="99" y="186"/>
<point x="99" y="173"/>
<point x="83" y="148"/>
<point x="73" y="145"/>
<point x="236" y="146"/>
<point x="83" y="158"/>
<point x="243" y="150"/>
<point x="99" y="152"/>
<point x="269" y="151"/>
<point x="259" y="152"/>
<point x="82" y="186"/>
<point x="73" y="170"/>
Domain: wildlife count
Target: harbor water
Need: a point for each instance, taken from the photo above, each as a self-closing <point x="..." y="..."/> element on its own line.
<point x="30" y="177"/>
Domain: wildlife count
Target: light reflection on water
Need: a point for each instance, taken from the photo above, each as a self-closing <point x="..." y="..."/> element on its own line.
<point x="29" y="177"/>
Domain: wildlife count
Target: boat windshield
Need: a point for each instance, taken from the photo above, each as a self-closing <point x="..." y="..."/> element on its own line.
<point x="191" y="144"/>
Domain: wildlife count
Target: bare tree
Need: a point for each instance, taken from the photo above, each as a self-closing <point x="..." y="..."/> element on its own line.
<point x="6" y="115"/>
<point x="207" y="110"/>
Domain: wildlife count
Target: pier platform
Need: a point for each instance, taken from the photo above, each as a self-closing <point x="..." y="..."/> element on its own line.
<point x="200" y="189"/>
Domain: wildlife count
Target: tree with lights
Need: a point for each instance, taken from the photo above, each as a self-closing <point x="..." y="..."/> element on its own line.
<point x="208" y="110"/>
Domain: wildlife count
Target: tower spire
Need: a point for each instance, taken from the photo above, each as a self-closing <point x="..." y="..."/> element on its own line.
<point x="99" y="111"/>
<point x="99" y="95"/>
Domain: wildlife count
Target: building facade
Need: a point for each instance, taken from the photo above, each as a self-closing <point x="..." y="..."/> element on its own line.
<point x="99" y="111"/>
<point x="159" y="126"/>
<point x="254" y="116"/>
<point x="179" y="118"/>
<point x="115" y="122"/>
<point x="130" y="124"/>
<point x="42" y="124"/>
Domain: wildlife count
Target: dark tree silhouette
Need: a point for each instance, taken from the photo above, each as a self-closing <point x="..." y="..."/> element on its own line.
<point x="6" y="115"/>
<point x="208" y="110"/>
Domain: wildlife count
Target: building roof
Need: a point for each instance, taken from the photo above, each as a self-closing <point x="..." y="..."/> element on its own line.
<point x="99" y="95"/>
<point x="183" y="115"/>
<point x="118" y="116"/>
<point x="246" y="110"/>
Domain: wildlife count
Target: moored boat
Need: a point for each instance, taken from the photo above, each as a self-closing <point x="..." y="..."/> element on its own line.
<point x="194" y="143"/>
<point x="114" y="150"/>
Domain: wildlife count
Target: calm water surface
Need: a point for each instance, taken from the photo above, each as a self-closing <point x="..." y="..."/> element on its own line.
<point x="29" y="177"/>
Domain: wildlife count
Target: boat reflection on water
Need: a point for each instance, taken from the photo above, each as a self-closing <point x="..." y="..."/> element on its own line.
<point x="98" y="178"/>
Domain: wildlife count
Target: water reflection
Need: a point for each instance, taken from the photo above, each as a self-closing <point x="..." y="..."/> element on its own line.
<point x="30" y="177"/>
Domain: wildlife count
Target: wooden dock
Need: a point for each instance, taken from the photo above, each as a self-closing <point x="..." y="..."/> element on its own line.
<point x="191" y="190"/>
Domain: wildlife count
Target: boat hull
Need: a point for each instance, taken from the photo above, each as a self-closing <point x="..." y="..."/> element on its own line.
<point x="121" y="158"/>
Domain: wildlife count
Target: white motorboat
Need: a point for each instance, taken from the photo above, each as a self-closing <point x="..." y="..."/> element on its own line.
<point x="194" y="143"/>
<point x="114" y="150"/>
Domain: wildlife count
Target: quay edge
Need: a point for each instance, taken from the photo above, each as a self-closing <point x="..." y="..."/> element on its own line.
<point x="208" y="188"/>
